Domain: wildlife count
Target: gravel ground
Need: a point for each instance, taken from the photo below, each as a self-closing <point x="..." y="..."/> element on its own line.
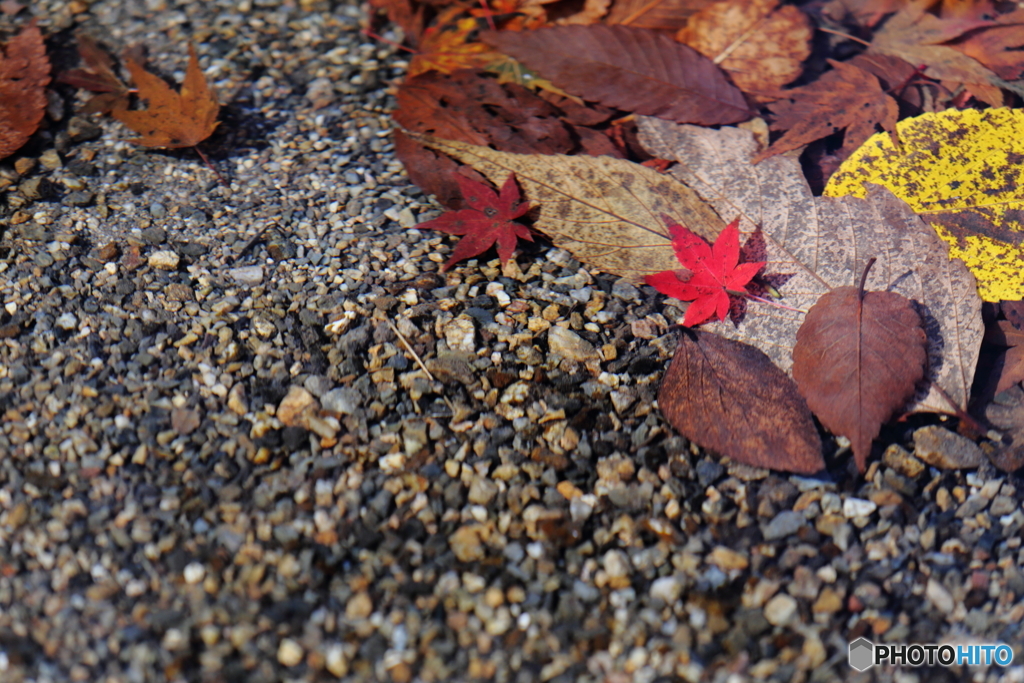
<point x="251" y="433"/>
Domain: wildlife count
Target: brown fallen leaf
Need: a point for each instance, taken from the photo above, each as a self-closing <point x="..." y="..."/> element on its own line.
<point x="1006" y="413"/>
<point x="607" y="212"/>
<point x="857" y="360"/>
<point x="171" y="120"/>
<point x="97" y="76"/>
<point x="822" y="242"/>
<point x="24" y="75"/>
<point x="630" y="69"/>
<point x="998" y="47"/>
<point x="1008" y="365"/>
<point x="915" y="35"/>
<point x="471" y="108"/>
<point x="760" y="45"/>
<point x="845" y="98"/>
<point x="659" y="15"/>
<point x="730" y="398"/>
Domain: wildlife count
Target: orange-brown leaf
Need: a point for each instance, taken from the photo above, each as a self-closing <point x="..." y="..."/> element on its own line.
<point x="760" y="45"/>
<point x="730" y="398"/>
<point x="449" y="46"/>
<point x="171" y="119"/>
<point x="97" y="76"/>
<point x="24" y="75"/>
<point x="857" y="360"/>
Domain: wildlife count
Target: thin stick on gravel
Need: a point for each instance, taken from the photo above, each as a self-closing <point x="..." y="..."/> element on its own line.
<point x="419" y="361"/>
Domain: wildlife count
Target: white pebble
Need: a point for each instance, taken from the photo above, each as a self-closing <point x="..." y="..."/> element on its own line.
<point x="858" y="507"/>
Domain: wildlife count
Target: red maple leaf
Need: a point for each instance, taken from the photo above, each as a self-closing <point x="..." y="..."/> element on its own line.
<point x="489" y="220"/>
<point x="710" y="274"/>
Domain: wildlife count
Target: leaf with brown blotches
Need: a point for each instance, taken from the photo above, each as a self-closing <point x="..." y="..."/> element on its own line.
<point x="171" y="120"/>
<point x="760" y="45"/>
<point x="630" y="69"/>
<point x="730" y="398"/>
<point x="846" y="98"/>
<point x="97" y="76"/>
<point x="607" y="212"/>
<point x="659" y="15"/>
<point x="857" y="360"/>
<point x="24" y="75"/>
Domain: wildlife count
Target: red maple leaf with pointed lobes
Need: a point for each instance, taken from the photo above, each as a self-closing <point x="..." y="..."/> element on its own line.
<point x="710" y="273"/>
<point x="489" y="220"/>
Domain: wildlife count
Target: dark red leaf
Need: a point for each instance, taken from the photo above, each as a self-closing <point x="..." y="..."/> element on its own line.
<point x="489" y="220"/>
<point x="632" y="69"/>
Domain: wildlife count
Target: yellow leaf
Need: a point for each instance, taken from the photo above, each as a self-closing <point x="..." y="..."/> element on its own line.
<point x="962" y="172"/>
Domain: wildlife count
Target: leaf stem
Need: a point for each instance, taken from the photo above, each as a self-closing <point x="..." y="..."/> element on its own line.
<point x="844" y="35"/>
<point x="213" y="168"/>
<point x="864" y="277"/>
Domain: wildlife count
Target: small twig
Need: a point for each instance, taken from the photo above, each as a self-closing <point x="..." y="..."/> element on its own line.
<point x="367" y="32"/>
<point x="844" y="35"/>
<point x="416" y="357"/>
<point x="249" y="245"/>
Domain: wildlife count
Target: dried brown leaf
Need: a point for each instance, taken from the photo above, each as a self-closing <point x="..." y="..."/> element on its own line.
<point x="730" y="398"/>
<point x="171" y="120"/>
<point x="845" y="98"/>
<point x="97" y="76"/>
<point x="760" y="45"/>
<point x="998" y="47"/>
<point x="917" y="36"/>
<point x="630" y="69"/>
<point x="24" y="75"/>
<point x="659" y="15"/>
<point x="857" y="360"/>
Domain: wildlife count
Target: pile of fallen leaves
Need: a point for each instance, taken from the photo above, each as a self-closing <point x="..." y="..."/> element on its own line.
<point x="858" y="306"/>
<point x="170" y="120"/>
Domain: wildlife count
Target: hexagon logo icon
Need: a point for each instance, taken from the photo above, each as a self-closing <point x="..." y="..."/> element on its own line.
<point x="862" y="654"/>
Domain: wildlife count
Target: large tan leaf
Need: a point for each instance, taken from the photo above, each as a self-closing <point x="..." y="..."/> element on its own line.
<point x="823" y="243"/>
<point x="607" y="212"/>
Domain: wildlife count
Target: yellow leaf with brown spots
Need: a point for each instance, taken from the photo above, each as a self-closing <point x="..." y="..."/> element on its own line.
<point x="963" y="172"/>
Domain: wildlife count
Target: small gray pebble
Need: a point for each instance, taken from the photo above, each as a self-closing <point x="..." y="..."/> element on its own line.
<point x="783" y="524"/>
<point x="157" y="210"/>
